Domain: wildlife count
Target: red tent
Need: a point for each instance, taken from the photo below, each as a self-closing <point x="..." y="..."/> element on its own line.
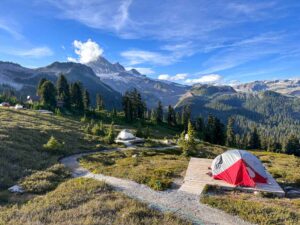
<point x="239" y="167"/>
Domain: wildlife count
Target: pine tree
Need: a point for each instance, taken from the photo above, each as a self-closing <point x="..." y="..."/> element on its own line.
<point x="48" y="95"/>
<point x="139" y="131"/>
<point x="209" y="129"/>
<point x="230" y="134"/>
<point x="99" y="102"/>
<point x="200" y="128"/>
<point x="186" y="116"/>
<point x="292" y="146"/>
<point x="40" y="84"/>
<point x="254" y="142"/>
<point x="76" y="97"/>
<point x="178" y="118"/>
<point x="86" y="99"/>
<point x="188" y="145"/>
<point x="218" y="132"/>
<point x="110" y="138"/>
<point x="171" y="116"/>
<point x="133" y="105"/>
<point x="63" y="91"/>
<point x="153" y="115"/>
<point x="159" y="112"/>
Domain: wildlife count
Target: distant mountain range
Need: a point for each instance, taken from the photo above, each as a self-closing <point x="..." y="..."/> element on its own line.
<point x="287" y="87"/>
<point x="101" y="76"/>
<point x="25" y="80"/>
<point x="122" y="80"/>
<point x="111" y="80"/>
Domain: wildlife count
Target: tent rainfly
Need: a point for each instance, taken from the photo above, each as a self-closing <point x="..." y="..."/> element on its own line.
<point x="126" y="137"/>
<point x="16" y="189"/>
<point x="239" y="167"/>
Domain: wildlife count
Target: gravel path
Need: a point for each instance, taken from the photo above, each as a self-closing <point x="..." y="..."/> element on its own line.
<point x="181" y="203"/>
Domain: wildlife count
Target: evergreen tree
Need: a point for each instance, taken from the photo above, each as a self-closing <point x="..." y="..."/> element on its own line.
<point x="63" y="91"/>
<point x="133" y="105"/>
<point x="76" y="97"/>
<point x="186" y="116"/>
<point x="48" y="95"/>
<point x="86" y="99"/>
<point x="218" y="132"/>
<point x="159" y="112"/>
<point x="209" y="129"/>
<point x="292" y="146"/>
<point x="230" y="134"/>
<point x="139" y="131"/>
<point x="200" y="127"/>
<point x="99" y="102"/>
<point x="110" y="138"/>
<point x="153" y="115"/>
<point x="214" y="131"/>
<point x="254" y="142"/>
<point x="40" y="84"/>
<point x="188" y="145"/>
<point x="171" y="117"/>
<point x="114" y="113"/>
<point x="178" y="118"/>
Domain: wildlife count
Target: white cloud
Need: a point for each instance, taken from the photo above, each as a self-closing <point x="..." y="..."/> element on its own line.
<point x="164" y="77"/>
<point x="172" y="19"/>
<point x="142" y="70"/>
<point x="177" y="77"/>
<point x="34" y="52"/>
<point x="10" y="27"/>
<point x="206" y="79"/>
<point x="136" y="57"/>
<point x="100" y="14"/>
<point x="88" y="51"/>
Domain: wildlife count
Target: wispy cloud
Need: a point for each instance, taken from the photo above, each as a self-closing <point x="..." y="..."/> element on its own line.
<point x="10" y="28"/>
<point x="171" y="19"/>
<point x="142" y="70"/>
<point x="166" y="55"/>
<point x="177" y="77"/>
<point x="207" y="79"/>
<point x="135" y="57"/>
<point x="33" y="52"/>
<point x="100" y="14"/>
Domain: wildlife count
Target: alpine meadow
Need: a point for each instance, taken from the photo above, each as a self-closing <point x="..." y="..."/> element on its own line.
<point x="147" y="112"/>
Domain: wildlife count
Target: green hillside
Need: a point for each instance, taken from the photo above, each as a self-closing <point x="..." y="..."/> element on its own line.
<point x="274" y="115"/>
<point x="22" y="136"/>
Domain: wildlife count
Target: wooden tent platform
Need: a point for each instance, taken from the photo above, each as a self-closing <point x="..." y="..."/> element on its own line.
<point x="197" y="176"/>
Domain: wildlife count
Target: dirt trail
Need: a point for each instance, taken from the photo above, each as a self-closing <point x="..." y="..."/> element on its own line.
<point x="181" y="203"/>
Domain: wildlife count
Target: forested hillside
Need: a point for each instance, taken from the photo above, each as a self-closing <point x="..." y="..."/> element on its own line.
<point x="275" y="116"/>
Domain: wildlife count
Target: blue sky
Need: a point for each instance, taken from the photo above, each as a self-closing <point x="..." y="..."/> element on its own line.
<point x="186" y="41"/>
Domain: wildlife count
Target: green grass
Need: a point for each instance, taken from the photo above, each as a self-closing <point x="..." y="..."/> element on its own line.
<point x="22" y="136"/>
<point x="284" y="168"/>
<point x="156" y="169"/>
<point x="207" y="150"/>
<point x="255" y="209"/>
<point x="84" y="201"/>
<point x="44" y="181"/>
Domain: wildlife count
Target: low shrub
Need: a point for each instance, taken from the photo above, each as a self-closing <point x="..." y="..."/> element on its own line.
<point x="98" y="129"/>
<point x="44" y="181"/>
<point x="53" y="145"/>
